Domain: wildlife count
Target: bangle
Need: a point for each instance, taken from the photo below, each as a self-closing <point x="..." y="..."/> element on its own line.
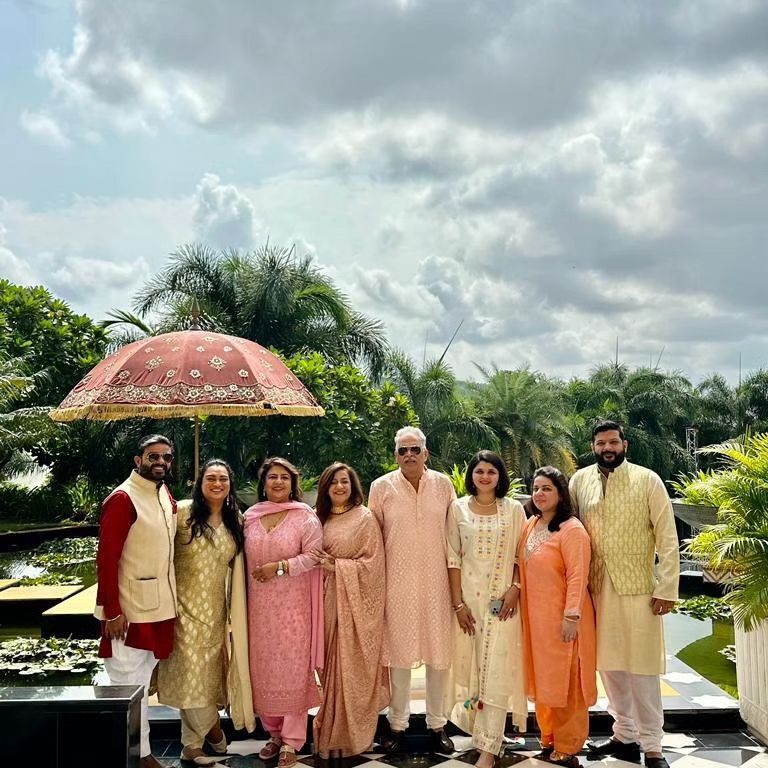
<point x="515" y="584"/>
<point x="115" y="619"/>
<point x="571" y="618"/>
<point x="457" y="608"/>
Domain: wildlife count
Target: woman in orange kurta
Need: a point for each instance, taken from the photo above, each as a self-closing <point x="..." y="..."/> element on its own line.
<point x="558" y="618"/>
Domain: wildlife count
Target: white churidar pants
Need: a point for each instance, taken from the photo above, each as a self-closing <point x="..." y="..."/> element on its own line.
<point x="133" y="666"/>
<point x="634" y="702"/>
<point x="400" y="700"/>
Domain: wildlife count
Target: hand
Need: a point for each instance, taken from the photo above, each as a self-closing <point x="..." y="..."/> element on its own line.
<point x="265" y="572"/>
<point x="661" y="607"/>
<point x="324" y="560"/>
<point x="569" y="630"/>
<point x="509" y="606"/>
<point x="116" y="629"/>
<point x="466" y="621"/>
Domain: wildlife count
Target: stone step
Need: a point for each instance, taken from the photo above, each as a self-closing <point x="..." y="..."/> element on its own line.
<point x="72" y="617"/>
<point x="23" y="605"/>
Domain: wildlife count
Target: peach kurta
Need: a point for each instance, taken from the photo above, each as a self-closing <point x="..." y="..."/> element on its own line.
<point x="418" y="617"/>
<point x="554" y="582"/>
<point x="356" y="686"/>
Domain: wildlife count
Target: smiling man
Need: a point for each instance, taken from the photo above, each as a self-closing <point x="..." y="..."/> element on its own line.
<point x="411" y="505"/>
<point x="627" y="513"/>
<point x="136" y="594"/>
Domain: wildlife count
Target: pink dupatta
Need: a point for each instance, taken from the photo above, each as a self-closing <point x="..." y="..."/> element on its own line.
<point x="317" y="620"/>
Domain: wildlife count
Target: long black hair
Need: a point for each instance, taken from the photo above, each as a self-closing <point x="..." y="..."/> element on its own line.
<point x="230" y="511"/>
<point x="564" y="509"/>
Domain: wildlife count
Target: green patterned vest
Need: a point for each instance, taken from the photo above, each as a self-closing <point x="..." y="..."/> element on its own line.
<point x="620" y="527"/>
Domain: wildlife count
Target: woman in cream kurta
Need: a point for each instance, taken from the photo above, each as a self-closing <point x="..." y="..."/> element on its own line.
<point x="194" y="677"/>
<point x="482" y="537"/>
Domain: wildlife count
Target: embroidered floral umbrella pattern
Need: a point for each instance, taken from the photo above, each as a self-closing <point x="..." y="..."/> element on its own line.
<point x="188" y="373"/>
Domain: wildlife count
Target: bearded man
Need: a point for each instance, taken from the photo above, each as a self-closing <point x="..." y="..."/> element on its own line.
<point x="627" y="513"/>
<point x="136" y="593"/>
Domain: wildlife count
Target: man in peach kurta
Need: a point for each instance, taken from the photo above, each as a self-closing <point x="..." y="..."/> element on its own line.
<point x="411" y="505"/>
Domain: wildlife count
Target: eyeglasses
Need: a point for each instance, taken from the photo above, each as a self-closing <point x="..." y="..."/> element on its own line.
<point x="166" y="457"/>
<point x="404" y="449"/>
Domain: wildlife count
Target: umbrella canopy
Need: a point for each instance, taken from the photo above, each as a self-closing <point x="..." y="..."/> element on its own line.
<point x="188" y="374"/>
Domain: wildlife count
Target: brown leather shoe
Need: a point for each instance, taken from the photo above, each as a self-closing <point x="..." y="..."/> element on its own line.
<point x="150" y="761"/>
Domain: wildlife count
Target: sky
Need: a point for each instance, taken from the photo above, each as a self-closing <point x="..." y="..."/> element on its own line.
<point x="557" y="174"/>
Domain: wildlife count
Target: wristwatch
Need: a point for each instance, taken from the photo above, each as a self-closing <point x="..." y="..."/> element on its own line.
<point x="281" y="568"/>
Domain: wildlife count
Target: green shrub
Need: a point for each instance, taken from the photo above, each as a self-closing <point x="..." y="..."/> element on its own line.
<point x="704" y="607"/>
<point x="43" y="504"/>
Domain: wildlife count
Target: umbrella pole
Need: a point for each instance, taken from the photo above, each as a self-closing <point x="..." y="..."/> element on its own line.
<point x="197" y="448"/>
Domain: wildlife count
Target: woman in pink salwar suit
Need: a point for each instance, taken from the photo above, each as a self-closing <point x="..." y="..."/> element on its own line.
<point x="285" y="608"/>
<point x="558" y="618"/>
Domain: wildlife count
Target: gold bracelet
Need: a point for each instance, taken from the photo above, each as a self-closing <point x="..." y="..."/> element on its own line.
<point x="457" y="608"/>
<point x="115" y="619"/>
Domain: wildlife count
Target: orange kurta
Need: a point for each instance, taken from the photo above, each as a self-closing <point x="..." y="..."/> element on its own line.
<point x="554" y="581"/>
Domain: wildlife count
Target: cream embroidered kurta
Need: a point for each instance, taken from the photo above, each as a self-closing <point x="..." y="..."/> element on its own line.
<point x="622" y="514"/>
<point x="489" y="665"/>
<point x="418" y="617"/>
<point x="195" y="673"/>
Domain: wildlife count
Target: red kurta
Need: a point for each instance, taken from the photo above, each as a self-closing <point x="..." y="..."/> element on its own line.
<point x="117" y="517"/>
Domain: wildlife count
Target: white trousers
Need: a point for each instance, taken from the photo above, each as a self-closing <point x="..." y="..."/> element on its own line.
<point x="634" y="702"/>
<point x="133" y="666"/>
<point x="400" y="699"/>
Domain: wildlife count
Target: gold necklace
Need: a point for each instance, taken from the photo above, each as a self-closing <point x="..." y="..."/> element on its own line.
<point x="480" y="503"/>
<point x="340" y="510"/>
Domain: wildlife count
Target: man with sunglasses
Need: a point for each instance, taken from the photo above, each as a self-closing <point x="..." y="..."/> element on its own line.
<point x="136" y="593"/>
<point x="411" y="505"/>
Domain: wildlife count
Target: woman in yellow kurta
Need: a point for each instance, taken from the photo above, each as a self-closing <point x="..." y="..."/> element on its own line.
<point x="208" y="549"/>
<point x="558" y="618"/>
<point x="483" y="531"/>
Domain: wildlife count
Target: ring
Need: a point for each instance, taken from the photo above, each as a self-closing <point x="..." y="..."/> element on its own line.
<point x="322" y="561"/>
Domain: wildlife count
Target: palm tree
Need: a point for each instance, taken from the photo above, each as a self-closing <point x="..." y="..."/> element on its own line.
<point x="738" y="543"/>
<point x="20" y="428"/>
<point x="452" y="424"/>
<point x="527" y="413"/>
<point x="268" y="295"/>
<point x="653" y="406"/>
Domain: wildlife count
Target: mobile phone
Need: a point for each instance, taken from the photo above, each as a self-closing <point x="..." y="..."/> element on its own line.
<point x="495" y="607"/>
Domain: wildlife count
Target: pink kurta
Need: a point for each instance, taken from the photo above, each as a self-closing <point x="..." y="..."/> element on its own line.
<point x="554" y="581"/>
<point x="418" y="616"/>
<point x="284" y="628"/>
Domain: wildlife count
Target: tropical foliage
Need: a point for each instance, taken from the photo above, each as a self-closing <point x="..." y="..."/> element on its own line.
<point x="738" y="544"/>
<point x="269" y="295"/>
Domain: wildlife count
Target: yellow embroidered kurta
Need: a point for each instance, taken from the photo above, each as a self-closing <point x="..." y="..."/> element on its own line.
<point x="487" y="666"/>
<point x="195" y="674"/>
<point x="629" y="523"/>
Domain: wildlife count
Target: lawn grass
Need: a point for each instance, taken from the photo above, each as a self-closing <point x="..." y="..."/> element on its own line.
<point x="702" y="655"/>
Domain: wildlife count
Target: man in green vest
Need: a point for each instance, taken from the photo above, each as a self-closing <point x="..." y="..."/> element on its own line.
<point x="627" y="513"/>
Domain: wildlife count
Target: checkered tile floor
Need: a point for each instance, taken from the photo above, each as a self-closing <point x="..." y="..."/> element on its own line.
<point x="704" y="750"/>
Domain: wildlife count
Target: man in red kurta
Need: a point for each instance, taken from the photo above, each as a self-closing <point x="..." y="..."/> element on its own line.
<point x="136" y="593"/>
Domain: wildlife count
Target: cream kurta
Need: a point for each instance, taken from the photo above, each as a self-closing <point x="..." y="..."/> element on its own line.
<point x="195" y="674"/>
<point x="418" y="618"/>
<point x="487" y="667"/>
<point x="630" y="637"/>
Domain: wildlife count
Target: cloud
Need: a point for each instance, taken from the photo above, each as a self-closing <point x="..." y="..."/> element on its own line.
<point x="12" y="268"/>
<point x="222" y="215"/>
<point x="43" y="127"/>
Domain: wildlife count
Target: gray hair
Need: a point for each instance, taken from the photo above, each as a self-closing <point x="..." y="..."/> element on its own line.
<point x="410" y="432"/>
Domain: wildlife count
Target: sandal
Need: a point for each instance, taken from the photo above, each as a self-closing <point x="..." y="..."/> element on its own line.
<point x="200" y="759"/>
<point x="288" y="757"/>
<point x="270" y="749"/>
<point x="567" y="761"/>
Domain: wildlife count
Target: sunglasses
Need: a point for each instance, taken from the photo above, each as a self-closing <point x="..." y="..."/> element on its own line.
<point x="404" y="449"/>
<point x="166" y="457"/>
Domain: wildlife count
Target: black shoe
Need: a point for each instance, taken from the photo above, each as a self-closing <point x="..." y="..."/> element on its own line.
<point x="545" y="753"/>
<point x="393" y="742"/>
<point x="656" y="762"/>
<point x="439" y="742"/>
<point x="569" y="762"/>
<point x="630" y="753"/>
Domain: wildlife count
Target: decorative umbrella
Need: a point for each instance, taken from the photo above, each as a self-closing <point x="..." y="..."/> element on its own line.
<point x="188" y="374"/>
